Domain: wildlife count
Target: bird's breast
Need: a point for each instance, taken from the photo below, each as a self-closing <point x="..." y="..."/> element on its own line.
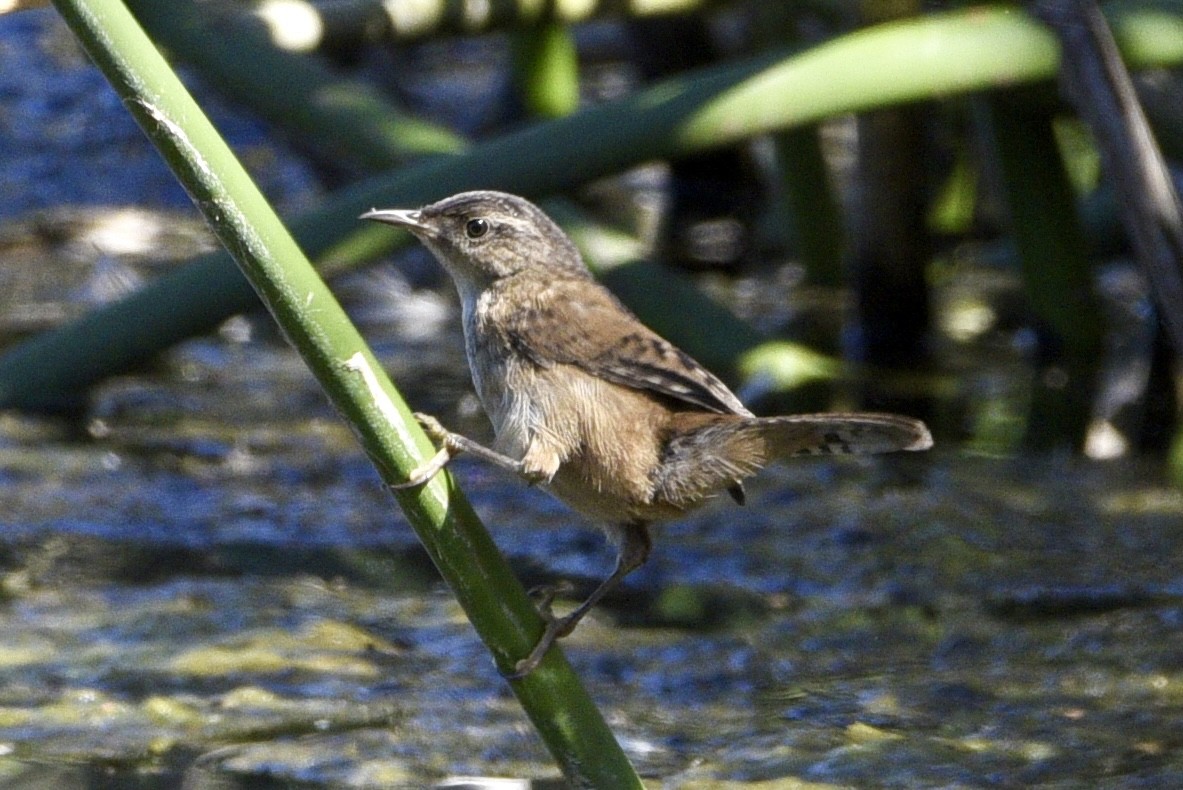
<point x="502" y="383"/>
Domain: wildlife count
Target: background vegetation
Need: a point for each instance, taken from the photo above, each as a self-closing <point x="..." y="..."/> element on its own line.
<point x="882" y="155"/>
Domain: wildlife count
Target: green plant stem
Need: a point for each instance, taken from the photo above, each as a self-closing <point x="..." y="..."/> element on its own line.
<point x="314" y="322"/>
<point x="810" y="202"/>
<point x="807" y="203"/>
<point x="546" y="70"/>
<point x="1057" y="275"/>
<point x="352" y="121"/>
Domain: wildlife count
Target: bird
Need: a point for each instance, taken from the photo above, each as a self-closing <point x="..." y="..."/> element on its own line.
<point x="588" y="402"/>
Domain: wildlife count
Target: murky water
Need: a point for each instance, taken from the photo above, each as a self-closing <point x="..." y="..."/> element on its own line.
<point x="202" y="581"/>
<point x="203" y="578"/>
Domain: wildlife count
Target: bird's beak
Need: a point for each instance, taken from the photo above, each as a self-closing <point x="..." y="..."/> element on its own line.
<point x="405" y="218"/>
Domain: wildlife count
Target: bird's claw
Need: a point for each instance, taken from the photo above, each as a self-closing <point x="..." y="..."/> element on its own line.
<point x="553" y="631"/>
<point x="425" y="471"/>
<point x="432" y="427"/>
<point x="556" y="628"/>
<point x="432" y="466"/>
<point x="545" y="595"/>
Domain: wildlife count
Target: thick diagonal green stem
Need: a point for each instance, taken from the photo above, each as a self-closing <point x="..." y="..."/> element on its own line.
<point x="313" y="320"/>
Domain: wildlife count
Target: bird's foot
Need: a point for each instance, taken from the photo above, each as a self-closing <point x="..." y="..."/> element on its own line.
<point x="556" y="628"/>
<point x="450" y="446"/>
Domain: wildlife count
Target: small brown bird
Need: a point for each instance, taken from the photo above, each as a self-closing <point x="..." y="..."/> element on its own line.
<point x="591" y="404"/>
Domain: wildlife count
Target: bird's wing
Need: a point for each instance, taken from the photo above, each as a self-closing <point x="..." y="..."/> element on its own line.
<point x="598" y="334"/>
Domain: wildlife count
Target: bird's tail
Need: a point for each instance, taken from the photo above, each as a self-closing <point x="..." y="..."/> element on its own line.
<point x="841" y="434"/>
<point x="714" y="452"/>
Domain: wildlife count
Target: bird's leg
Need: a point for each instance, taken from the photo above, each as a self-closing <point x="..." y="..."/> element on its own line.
<point x="452" y="445"/>
<point x="635" y="545"/>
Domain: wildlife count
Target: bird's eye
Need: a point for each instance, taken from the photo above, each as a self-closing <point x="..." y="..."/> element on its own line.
<point x="475" y="228"/>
